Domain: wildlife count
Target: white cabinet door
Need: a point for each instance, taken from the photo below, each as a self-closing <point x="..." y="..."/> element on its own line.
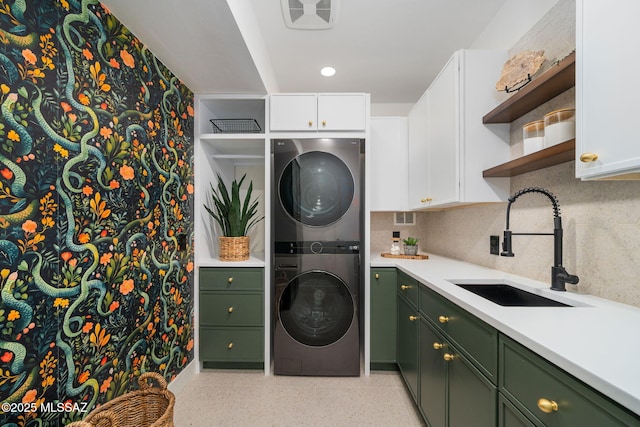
<point x="341" y="111"/>
<point x="417" y="163"/>
<point x="293" y="112"/>
<point x="443" y="165"/>
<point x="318" y="112"/>
<point x="607" y="93"/>
<point x="388" y="163"/>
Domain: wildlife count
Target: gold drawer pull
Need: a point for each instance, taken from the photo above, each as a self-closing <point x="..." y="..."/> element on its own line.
<point x="310" y="123"/>
<point x="426" y="199"/>
<point x="324" y="123"/>
<point x="588" y="157"/>
<point x="377" y="276"/>
<point x="230" y="346"/>
<point x="405" y="287"/>
<point x="413" y="318"/>
<point x="230" y="310"/>
<point x="443" y="319"/>
<point x="438" y="346"/>
<point x="448" y="357"/>
<point x="547" y="406"/>
<point x="230" y="280"/>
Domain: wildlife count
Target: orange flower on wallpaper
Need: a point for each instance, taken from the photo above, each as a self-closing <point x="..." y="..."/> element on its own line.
<point x="30" y="396"/>
<point x="65" y="107"/>
<point x="127" y="172"/>
<point x="84" y="99"/>
<point x="190" y="188"/>
<point x="13" y="136"/>
<point x="87" y="54"/>
<point x="114" y="306"/>
<point x="105" y="258"/>
<point x="29" y="226"/>
<point x="6" y="173"/>
<point x="105" y="385"/>
<point x="87" y="327"/>
<point x="66" y="256"/>
<point x="13" y="315"/>
<point x="113" y="184"/>
<point x="87" y="191"/>
<point x="61" y="302"/>
<point x="127" y="58"/>
<point x="29" y="56"/>
<point x="114" y="63"/>
<point x="83" y="377"/>
<point x="190" y="110"/>
<point x="105" y="132"/>
<point x="84" y="238"/>
<point x="126" y="287"/>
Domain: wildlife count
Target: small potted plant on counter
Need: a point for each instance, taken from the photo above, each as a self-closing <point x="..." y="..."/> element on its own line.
<point x="235" y="218"/>
<point x="410" y="246"/>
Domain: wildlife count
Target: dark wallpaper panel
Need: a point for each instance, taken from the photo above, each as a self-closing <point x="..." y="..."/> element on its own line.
<point x="96" y="190"/>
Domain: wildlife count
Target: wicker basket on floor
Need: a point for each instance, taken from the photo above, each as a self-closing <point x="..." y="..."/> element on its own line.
<point x="147" y="407"/>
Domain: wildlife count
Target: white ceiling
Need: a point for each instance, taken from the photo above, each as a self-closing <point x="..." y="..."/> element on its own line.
<point x="391" y="49"/>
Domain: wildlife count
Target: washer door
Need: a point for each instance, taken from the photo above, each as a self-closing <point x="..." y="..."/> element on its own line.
<point x="316" y="308"/>
<point x="316" y="188"/>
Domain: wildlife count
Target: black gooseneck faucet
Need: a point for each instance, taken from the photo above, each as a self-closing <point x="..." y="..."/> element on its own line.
<point x="559" y="275"/>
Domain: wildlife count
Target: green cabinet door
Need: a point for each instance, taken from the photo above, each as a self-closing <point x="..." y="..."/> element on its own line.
<point x="433" y="376"/>
<point x="383" y="317"/>
<point x="408" y="345"/>
<point x="472" y="397"/>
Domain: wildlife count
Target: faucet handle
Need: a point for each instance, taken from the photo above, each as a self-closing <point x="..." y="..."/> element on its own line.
<point x="560" y="276"/>
<point x="506" y="244"/>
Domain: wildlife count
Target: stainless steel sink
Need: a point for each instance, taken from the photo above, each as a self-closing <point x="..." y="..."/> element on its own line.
<point x="509" y="296"/>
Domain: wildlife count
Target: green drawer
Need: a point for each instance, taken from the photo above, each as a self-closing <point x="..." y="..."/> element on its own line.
<point x="474" y="338"/>
<point x="237" y="344"/>
<point x="235" y="278"/>
<point x="526" y="377"/>
<point x="231" y="309"/>
<point x="408" y="288"/>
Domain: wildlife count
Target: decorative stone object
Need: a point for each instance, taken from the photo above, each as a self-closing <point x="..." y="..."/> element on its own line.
<point x="519" y="70"/>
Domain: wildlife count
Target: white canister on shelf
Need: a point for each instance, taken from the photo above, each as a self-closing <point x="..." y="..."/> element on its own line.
<point x="559" y="126"/>
<point x="533" y="137"/>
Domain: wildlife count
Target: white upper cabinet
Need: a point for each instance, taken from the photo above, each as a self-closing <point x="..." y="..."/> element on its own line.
<point x="607" y="136"/>
<point x="449" y="146"/>
<point x="388" y="163"/>
<point x="318" y="112"/>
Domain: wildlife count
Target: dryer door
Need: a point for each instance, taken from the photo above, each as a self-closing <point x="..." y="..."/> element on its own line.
<point x="316" y="308"/>
<point x="316" y="188"/>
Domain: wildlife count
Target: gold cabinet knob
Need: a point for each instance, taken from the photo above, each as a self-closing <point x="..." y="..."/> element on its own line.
<point x="443" y="319"/>
<point x="324" y="123"/>
<point x="547" y="406"/>
<point x="413" y="318"/>
<point x="426" y="199"/>
<point x="438" y="346"/>
<point x="405" y="287"/>
<point x="588" y="157"/>
<point x="377" y="276"/>
<point x="448" y="357"/>
<point x="310" y="123"/>
<point x="230" y="309"/>
<point x="230" y="346"/>
<point x="230" y="280"/>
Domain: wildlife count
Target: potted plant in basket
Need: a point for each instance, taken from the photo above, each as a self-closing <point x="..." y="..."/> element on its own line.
<point x="410" y="246"/>
<point x="235" y="218"/>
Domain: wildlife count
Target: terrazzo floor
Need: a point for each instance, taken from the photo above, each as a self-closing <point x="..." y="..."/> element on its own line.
<point x="249" y="398"/>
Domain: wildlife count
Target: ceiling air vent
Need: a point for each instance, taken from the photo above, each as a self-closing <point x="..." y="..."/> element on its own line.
<point x="309" y="14"/>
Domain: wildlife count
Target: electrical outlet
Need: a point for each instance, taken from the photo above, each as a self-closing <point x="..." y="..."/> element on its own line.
<point x="494" y="245"/>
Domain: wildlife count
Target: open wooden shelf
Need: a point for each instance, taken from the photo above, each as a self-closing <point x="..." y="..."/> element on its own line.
<point x="549" y="84"/>
<point x="554" y="155"/>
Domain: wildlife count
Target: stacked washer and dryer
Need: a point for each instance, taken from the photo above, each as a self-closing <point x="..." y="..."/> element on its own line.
<point x="317" y="276"/>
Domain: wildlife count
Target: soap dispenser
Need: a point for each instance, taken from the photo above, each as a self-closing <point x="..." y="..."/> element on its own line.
<point x="395" y="243"/>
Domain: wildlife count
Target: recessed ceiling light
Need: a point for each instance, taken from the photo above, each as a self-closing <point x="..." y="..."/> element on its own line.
<point x="328" y="71"/>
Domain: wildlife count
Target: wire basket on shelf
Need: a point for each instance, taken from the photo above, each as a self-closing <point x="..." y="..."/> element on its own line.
<point x="147" y="407"/>
<point x="235" y="126"/>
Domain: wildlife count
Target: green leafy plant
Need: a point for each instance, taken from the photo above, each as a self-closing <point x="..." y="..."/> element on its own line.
<point x="410" y="241"/>
<point x="234" y="216"/>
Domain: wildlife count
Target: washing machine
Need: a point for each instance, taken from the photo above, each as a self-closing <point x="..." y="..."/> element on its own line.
<point x="317" y="186"/>
<point x="316" y="327"/>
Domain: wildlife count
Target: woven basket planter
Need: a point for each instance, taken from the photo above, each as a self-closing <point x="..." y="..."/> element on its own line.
<point x="147" y="407"/>
<point x="234" y="248"/>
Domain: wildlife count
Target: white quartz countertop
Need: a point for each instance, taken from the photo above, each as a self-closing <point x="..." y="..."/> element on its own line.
<point x="597" y="340"/>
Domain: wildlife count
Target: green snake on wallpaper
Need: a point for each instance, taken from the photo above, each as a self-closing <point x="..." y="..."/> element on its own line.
<point x="95" y="183"/>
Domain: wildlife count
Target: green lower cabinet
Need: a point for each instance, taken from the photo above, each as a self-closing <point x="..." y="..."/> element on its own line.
<point x="453" y="392"/>
<point x="548" y="396"/>
<point x="433" y="376"/>
<point x="408" y="345"/>
<point x="383" y="317"/>
<point x="509" y="415"/>
<point x="231" y="307"/>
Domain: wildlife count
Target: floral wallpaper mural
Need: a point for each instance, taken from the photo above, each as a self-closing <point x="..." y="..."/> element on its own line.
<point x="96" y="205"/>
